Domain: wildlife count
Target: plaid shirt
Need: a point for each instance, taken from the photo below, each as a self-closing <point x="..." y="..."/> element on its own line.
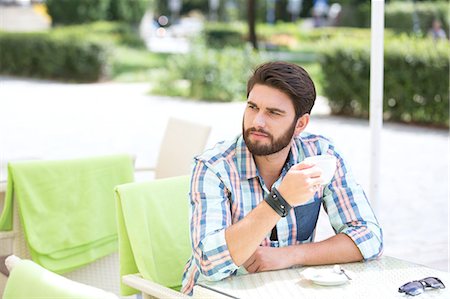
<point x="226" y="186"/>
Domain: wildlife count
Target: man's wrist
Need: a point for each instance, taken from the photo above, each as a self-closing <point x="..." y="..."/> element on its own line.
<point x="278" y="203"/>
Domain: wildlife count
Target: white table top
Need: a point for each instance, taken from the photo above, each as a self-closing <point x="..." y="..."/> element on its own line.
<point x="374" y="279"/>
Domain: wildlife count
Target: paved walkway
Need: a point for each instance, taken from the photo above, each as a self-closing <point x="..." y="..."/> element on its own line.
<point x="23" y="18"/>
<point x="54" y="120"/>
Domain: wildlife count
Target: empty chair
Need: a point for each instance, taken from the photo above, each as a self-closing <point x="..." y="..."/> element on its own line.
<point x="62" y="215"/>
<point x="181" y="142"/>
<point x="154" y="246"/>
<point x="28" y="280"/>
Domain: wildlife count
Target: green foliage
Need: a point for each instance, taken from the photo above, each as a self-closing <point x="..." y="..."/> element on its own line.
<point x="115" y="48"/>
<point x="113" y="32"/>
<point x="76" y="12"/>
<point x="130" y="11"/>
<point x="219" y="36"/>
<point x="207" y="74"/>
<point x="131" y="65"/>
<point x="416" y="77"/>
<point x="45" y="55"/>
<point x="399" y="15"/>
<point x="66" y="12"/>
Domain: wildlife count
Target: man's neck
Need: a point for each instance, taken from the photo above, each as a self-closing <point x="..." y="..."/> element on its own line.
<point x="269" y="167"/>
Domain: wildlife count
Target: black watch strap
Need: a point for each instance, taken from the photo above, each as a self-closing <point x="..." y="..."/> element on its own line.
<point x="278" y="203"/>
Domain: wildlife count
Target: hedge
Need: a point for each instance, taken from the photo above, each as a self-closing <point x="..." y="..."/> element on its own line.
<point x="398" y="15"/>
<point x="67" y="12"/>
<point x="416" y="76"/>
<point x="208" y="74"/>
<point x="118" y="33"/>
<point x="76" y="12"/>
<point x="218" y="36"/>
<point x="128" y="11"/>
<point x="46" y="55"/>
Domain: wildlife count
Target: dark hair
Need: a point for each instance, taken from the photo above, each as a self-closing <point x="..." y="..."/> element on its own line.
<point x="288" y="78"/>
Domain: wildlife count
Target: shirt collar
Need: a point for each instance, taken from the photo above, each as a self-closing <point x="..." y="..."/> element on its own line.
<point x="246" y="164"/>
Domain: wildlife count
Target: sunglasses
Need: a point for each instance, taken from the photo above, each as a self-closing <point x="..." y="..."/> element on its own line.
<point x="417" y="287"/>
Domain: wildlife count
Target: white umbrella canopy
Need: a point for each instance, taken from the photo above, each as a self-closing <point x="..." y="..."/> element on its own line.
<point x="376" y="97"/>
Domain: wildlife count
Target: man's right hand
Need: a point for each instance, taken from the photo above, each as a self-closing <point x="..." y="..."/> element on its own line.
<point x="300" y="183"/>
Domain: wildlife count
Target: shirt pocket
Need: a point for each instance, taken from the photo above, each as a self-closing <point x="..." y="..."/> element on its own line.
<point x="306" y="217"/>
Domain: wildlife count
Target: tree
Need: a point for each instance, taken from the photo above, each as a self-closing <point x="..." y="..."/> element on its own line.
<point x="251" y="19"/>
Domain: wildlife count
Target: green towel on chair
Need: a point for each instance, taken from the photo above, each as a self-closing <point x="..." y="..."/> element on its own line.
<point x="67" y="208"/>
<point x="153" y="226"/>
<point x="29" y="280"/>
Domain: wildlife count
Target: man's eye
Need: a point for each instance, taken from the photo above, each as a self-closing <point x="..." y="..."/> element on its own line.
<point x="274" y="113"/>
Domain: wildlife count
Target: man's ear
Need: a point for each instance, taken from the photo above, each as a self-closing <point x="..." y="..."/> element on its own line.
<point x="301" y="124"/>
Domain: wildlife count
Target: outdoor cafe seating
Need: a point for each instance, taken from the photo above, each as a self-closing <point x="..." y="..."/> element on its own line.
<point x="154" y="244"/>
<point x="28" y="280"/>
<point x="61" y="214"/>
<point x="104" y="211"/>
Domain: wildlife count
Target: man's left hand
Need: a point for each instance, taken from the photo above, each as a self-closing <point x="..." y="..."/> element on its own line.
<point x="267" y="258"/>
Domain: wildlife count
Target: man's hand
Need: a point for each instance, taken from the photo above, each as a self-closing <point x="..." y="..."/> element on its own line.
<point x="267" y="258"/>
<point x="300" y="183"/>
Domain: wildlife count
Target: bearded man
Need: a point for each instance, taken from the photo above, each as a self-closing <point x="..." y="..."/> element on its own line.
<point x="255" y="201"/>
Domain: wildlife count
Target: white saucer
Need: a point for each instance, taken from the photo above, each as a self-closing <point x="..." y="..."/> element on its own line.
<point x="325" y="277"/>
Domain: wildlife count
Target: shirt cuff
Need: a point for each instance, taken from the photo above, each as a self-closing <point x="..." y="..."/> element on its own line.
<point x="369" y="244"/>
<point x="216" y="262"/>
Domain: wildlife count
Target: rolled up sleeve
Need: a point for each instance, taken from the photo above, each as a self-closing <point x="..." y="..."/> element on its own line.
<point x="350" y="212"/>
<point x="210" y="217"/>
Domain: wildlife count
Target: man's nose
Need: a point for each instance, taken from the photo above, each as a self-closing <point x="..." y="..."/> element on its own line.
<point x="259" y="120"/>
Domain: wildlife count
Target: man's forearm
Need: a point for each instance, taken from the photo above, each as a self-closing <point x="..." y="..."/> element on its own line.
<point x="337" y="249"/>
<point x="246" y="235"/>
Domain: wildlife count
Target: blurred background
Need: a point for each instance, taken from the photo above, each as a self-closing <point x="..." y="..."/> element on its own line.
<point x="88" y="77"/>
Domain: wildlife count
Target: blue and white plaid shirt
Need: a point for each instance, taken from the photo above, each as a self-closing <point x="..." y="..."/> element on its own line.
<point x="226" y="186"/>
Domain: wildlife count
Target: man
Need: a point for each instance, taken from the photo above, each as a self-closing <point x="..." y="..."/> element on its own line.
<point x="255" y="203"/>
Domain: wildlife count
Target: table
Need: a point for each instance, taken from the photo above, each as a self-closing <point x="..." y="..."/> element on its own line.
<point x="373" y="279"/>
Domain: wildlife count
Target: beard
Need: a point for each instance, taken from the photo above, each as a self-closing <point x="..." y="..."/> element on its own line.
<point x="274" y="146"/>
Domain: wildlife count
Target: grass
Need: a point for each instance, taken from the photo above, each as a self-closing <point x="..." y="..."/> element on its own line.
<point x="136" y="65"/>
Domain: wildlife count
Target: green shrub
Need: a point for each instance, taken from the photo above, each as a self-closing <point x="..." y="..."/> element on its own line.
<point x="127" y="11"/>
<point x="399" y="15"/>
<point x="219" y="36"/>
<point x="65" y="12"/>
<point x="118" y="33"/>
<point x="355" y="14"/>
<point x="416" y="76"/>
<point x="45" y="55"/>
<point x="207" y="74"/>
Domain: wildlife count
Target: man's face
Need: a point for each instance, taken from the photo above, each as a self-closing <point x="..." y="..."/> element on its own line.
<point x="269" y="121"/>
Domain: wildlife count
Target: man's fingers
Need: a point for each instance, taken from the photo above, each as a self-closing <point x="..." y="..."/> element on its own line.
<point x="302" y="165"/>
<point x="311" y="171"/>
<point x="248" y="263"/>
<point x="316" y="181"/>
<point x="252" y="268"/>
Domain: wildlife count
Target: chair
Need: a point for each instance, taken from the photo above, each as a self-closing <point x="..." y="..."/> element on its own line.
<point x="181" y="142"/>
<point x="117" y="169"/>
<point x="154" y="244"/>
<point x="28" y="280"/>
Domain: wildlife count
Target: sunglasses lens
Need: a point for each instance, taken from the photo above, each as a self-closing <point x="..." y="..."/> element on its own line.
<point x="434" y="282"/>
<point x="412" y="288"/>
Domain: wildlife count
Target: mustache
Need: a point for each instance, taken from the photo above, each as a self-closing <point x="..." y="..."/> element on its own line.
<point x="248" y="131"/>
<point x="257" y="130"/>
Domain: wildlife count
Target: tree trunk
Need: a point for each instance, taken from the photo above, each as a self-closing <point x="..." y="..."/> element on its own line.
<point x="251" y="17"/>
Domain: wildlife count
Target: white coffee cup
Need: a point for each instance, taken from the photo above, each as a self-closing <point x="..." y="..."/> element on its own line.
<point x="326" y="163"/>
